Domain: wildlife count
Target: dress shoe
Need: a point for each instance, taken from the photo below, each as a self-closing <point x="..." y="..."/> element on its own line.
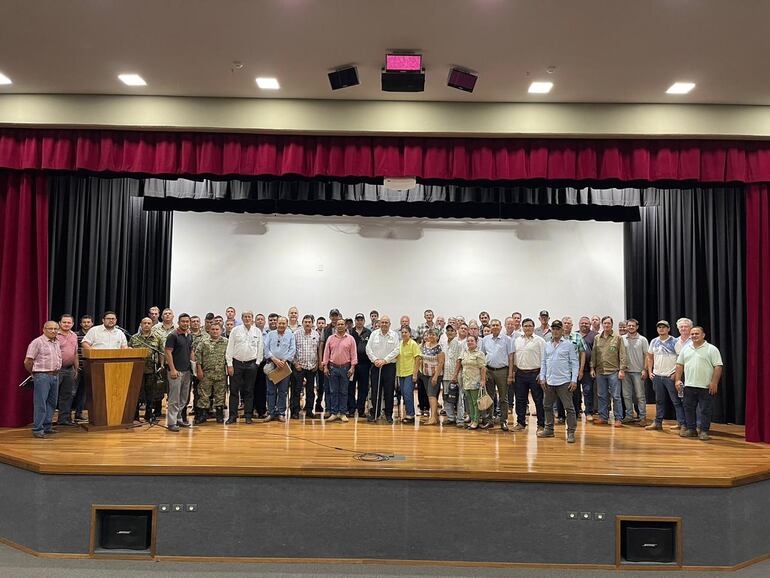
<point x="249" y="419"/>
<point x="688" y="433"/>
<point x="173" y="428"/>
<point x="628" y="419"/>
<point x="268" y="418"/>
<point x="294" y="415"/>
<point x="617" y="423"/>
<point x="51" y="432"/>
<point x="332" y="417"/>
<point x="654" y="426"/>
<point x="389" y="420"/>
<point x="311" y="415"/>
<point x="546" y="433"/>
<point x="589" y="417"/>
<point x="343" y="418"/>
<point x="504" y="426"/>
<point x="371" y="419"/>
<point x="184" y="424"/>
<point x="600" y="421"/>
<point x="231" y="420"/>
<point x="519" y="427"/>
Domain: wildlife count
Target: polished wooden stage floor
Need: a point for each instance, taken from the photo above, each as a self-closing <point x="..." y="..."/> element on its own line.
<point x="602" y="455"/>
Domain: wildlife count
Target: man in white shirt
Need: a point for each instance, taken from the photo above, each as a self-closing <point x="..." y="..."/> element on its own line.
<point x="661" y="366"/>
<point x="636" y="374"/>
<point x="105" y="336"/>
<point x="243" y="355"/>
<point x="382" y="349"/>
<point x="528" y="359"/>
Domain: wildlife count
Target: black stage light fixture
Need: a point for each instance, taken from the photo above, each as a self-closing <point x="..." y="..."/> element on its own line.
<point x="343" y="77"/>
<point x="462" y="79"/>
<point x="403" y="73"/>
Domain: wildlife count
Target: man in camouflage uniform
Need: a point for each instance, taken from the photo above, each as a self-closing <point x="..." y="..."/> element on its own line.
<point x="161" y="331"/>
<point x="151" y="392"/>
<point x="197" y="333"/>
<point x="211" y="367"/>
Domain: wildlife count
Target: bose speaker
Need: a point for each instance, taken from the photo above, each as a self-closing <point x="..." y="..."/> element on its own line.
<point x="403" y="81"/>
<point x="343" y="77"/>
<point x="649" y="542"/>
<point x="125" y="530"/>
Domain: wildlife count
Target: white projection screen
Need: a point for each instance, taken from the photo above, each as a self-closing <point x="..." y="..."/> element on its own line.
<point x="398" y="266"/>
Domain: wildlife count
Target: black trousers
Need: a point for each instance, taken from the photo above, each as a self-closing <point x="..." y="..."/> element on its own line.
<point x="383" y="383"/>
<point x="360" y="384"/>
<point x="242" y="384"/>
<point x="260" y="391"/>
<point x="303" y="379"/>
<point x="319" y="397"/>
<point x="526" y="383"/>
<point x="422" y="396"/>
<point x="67" y="387"/>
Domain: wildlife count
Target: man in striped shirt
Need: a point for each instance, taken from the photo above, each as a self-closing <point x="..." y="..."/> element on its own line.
<point x="43" y="361"/>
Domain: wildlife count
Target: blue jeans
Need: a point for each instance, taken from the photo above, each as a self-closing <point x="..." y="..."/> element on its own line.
<point x="45" y="396"/>
<point x="587" y="386"/>
<point x="609" y="386"/>
<point x="276" y="396"/>
<point x="665" y="386"/>
<point x="338" y="389"/>
<point x="633" y="387"/>
<point x="407" y="391"/>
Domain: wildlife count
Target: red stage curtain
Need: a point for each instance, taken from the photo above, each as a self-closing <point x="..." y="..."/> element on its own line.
<point x="757" y="312"/>
<point x="178" y="154"/>
<point x="24" y="285"/>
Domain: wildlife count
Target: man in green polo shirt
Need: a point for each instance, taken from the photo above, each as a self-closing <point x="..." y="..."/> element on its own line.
<point x="702" y="367"/>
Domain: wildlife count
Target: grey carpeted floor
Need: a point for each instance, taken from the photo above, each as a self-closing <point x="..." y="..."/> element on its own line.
<point x="17" y="564"/>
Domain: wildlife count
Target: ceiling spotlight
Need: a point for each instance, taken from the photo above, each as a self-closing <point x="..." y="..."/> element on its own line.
<point x="266" y="83"/>
<point x="4" y="79"/>
<point x="680" y="88"/>
<point x="462" y="80"/>
<point x="540" y="87"/>
<point x="132" y="79"/>
<point x="343" y="77"/>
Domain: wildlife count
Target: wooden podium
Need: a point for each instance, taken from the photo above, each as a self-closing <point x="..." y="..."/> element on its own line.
<point x="114" y="384"/>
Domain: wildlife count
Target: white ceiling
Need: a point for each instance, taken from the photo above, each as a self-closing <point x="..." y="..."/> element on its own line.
<point x="603" y="50"/>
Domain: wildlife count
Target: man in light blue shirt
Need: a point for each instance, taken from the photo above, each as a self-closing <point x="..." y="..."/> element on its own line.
<point x="280" y="348"/>
<point x="558" y="378"/>
<point x="499" y="350"/>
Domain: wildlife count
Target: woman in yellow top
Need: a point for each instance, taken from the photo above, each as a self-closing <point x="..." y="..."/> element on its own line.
<point x="406" y="370"/>
<point x="473" y="364"/>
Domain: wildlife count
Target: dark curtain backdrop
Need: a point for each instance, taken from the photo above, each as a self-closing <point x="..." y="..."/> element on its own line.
<point x="330" y="197"/>
<point x="686" y="258"/>
<point x="176" y="154"/>
<point x="757" y="312"/>
<point x="106" y="252"/>
<point x="23" y="285"/>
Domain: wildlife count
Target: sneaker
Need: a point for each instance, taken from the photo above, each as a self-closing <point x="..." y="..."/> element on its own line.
<point x="628" y="419"/>
<point x="570" y="437"/>
<point x="539" y="430"/>
<point x="561" y="421"/>
<point x="249" y="420"/>
<point x="642" y="422"/>
<point x="38" y="434"/>
<point x="473" y="425"/>
<point x="51" y="432"/>
<point x="332" y="417"/>
<point x="519" y="427"/>
<point x="184" y="424"/>
<point x="408" y="419"/>
<point x="282" y="419"/>
<point x="704" y="436"/>
<point x="682" y="430"/>
<point x="267" y="418"/>
<point x="343" y="418"/>
<point x="687" y="433"/>
<point x="173" y="428"/>
<point x="654" y="426"/>
<point x="545" y="433"/>
<point x="675" y="427"/>
<point x="589" y="417"/>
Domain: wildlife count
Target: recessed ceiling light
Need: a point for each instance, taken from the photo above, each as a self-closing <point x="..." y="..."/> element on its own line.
<point x="680" y="88"/>
<point x="132" y="79"/>
<point x="4" y="79"/>
<point x="540" y="87"/>
<point x="268" y="83"/>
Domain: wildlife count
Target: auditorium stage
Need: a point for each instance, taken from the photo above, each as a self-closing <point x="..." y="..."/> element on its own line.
<point x="601" y="454"/>
<point x="308" y="490"/>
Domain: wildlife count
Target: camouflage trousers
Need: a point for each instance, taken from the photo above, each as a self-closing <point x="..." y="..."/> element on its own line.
<point x="152" y="390"/>
<point x="210" y="385"/>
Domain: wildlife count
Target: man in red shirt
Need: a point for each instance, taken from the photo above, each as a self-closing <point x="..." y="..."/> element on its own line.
<point x="43" y="361"/>
<point x="339" y="363"/>
<point x="68" y="376"/>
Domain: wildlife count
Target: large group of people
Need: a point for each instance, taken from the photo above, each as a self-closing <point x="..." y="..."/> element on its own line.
<point x="475" y="373"/>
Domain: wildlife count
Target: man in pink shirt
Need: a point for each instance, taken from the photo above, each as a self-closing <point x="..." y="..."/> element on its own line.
<point x="339" y="363"/>
<point x="68" y="377"/>
<point x="43" y="361"/>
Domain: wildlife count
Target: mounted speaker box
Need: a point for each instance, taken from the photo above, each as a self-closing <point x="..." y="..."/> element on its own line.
<point x="343" y="77"/>
<point x="403" y="81"/>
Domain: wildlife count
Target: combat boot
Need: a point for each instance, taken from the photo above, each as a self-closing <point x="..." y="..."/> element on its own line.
<point x="220" y="415"/>
<point x="200" y="416"/>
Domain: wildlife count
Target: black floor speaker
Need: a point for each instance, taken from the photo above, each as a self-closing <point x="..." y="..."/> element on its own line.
<point x="125" y="530"/>
<point x="650" y="542"/>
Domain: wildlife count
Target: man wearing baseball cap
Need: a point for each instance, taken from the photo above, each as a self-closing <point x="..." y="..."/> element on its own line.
<point x="558" y="378"/>
<point x="661" y="366"/>
<point x="544" y="330"/>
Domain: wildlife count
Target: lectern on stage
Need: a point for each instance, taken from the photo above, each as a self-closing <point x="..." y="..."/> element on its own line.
<point x="114" y="383"/>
